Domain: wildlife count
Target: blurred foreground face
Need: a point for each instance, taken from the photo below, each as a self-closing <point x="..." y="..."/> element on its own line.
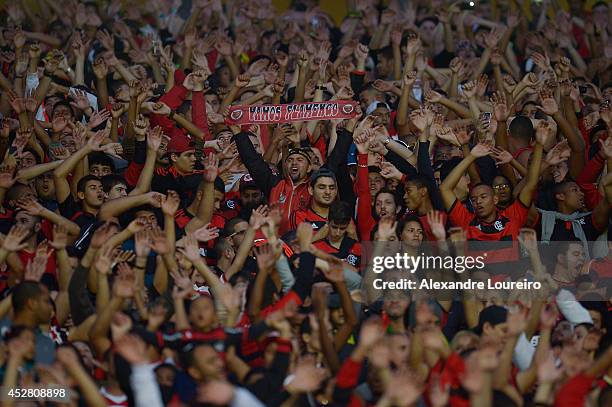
<point x="202" y="313"/>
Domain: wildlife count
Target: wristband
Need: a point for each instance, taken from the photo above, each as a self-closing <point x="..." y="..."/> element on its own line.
<point x="319" y="87"/>
<point x="354" y="14"/>
<point x="171" y="114"/>
<point x="387" y="141"/>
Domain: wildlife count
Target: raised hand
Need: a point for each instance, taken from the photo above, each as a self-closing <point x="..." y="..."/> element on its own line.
<point x="447" y="134"/>
<point x="242" y="80"/>
<point x="306" y="377"/>
<point x="95" y="141"/>
<point x="154" y="138"/>
<point x="190" y="248"/>
<point x="125" y="282"/>
<point x="371" y="333"/>
<point x="559" y="153"/>
<point x="501" y="156"/>
<point x="183" y="286"/>
<point x="436" y="223"/>
<point x="206" y="233"/>
<point x="159" y="242"/>
<point x="132" y="348"/>
<point x="196" y="81"/>
<point x="413" y="45"/>
<point x="335" y="272"/>
<point x="386" y="229"/>
<point x="97" y="118"/>
<point x="211" y="167"/>
<point x="31" y="206"/>
<point x="142" y="243"/>
<point x="104" y="262"/>
<point x="549" y="105"/>
<point x="258" y="217"/>
<point x="223" y="46"/>
<point x="266" y="257"/>
<point x="500" y="106"/>
<point x="389" y="171"/>
<point x="606" y="147"/>
<point x="170" y="203"/>
<point x="481" y="149"/>
<point x="36" y="267"/>
<point x="383" y="86"/>
<point x="6" y="176"/>
<point x="432" y="96"/>
<point x="161" y="109"/>
<point x="421" y="118"/>
<point x="361" y="140"/>
<point x="114" y="149"/>
<point x="469" y="89"/>
<point x="361" y="52"/>
<point x="21" y="139"/>
<point x="544" y="132"/>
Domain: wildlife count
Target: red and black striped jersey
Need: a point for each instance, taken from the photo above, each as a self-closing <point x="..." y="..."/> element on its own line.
<point x="306" y="215"/>
<point x="505" y="228"/>
<point x="349" y="251"/>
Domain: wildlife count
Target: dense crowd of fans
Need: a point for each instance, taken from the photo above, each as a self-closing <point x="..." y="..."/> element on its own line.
<point x="153" y="253"/>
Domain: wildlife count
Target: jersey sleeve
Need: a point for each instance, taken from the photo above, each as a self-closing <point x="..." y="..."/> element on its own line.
<point x="517" y="211"/>
<point x="459" y="215"/>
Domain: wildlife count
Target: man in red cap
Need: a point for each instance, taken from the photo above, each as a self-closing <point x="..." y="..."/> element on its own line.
<point x="181" y="175"/>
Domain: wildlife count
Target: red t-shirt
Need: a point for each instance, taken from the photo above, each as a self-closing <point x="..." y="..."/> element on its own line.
<point x="27" y="257"/>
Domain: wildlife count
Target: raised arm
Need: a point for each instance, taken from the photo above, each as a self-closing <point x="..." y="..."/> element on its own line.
<point x="207" y="202"/>
<point x="544" y="133"/>
<point x="451" y="181"/>
<point x="34" y="208"/>
<point x="575" y="141"/>
<point x="118" y="206"/>
<point x="62" y="187"/>
<point x="143" y="185"/>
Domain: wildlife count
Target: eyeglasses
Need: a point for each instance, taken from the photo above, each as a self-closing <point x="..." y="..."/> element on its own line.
<point x="501" y="187"/>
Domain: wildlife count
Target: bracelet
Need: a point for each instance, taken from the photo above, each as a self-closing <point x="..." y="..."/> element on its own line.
<point x="387" y="141"/>
<point x="319" y="87"/>
<point x="171" y="115"/>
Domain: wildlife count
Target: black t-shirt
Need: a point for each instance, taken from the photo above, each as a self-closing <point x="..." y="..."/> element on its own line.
<point x="166" y="179"/>
<point x="564" y="231"/>
<point x="72" y="210"/>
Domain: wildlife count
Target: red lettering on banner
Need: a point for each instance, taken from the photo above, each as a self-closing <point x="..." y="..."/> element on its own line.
<point x="270" y="114"/>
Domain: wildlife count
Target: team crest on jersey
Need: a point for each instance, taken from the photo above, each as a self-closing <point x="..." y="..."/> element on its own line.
<point x="282" y="198"/>
<point x="498" y="225"/>
<point x="231" y="204"/>
<point x="351" y="259"/>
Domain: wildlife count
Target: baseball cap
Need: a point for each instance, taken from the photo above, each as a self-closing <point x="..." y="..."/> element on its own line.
<point x="375" y="105"/>
<point x="247" y="182"/>
<point x="493" y="314"/>
<point x="180" y="143"/>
